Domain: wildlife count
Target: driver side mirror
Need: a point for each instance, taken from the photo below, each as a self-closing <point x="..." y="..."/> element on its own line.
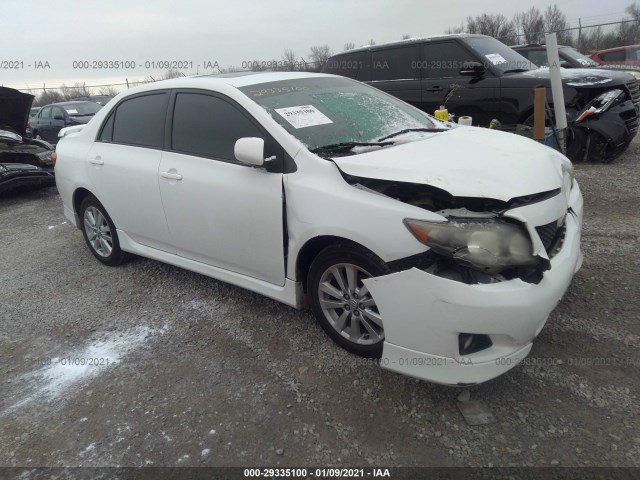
<point x="58" y="117"/>
<point x="472" y="69"/>
<point x="249" y="150"/>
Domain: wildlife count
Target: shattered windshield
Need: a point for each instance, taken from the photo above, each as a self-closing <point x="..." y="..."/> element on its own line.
<point x="328" y="111"/>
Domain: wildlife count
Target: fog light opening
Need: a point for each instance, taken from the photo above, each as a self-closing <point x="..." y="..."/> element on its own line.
<point x="469" y="343"/>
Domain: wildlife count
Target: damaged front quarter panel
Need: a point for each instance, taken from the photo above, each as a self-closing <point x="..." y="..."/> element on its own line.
<point x="429" y="318"/>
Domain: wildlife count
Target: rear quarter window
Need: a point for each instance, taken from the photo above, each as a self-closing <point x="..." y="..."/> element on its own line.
<point x="346" y="65"/>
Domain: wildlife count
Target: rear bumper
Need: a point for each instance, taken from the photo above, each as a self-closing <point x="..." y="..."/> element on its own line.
<point x="36" y="179"/>
<point x="425" y="314"/>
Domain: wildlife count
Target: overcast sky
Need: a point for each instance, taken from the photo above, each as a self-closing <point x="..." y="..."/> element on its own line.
<point x="228" y="32"/>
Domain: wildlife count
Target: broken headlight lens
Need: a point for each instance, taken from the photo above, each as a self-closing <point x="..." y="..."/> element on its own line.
<point x="600" y="104"/>
<point x="488" y="244"/>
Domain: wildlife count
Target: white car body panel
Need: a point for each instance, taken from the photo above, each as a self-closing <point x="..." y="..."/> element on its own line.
<point x="226" y="221"/>
<point x="215" y="222"/>
<point x="466" y="162"/>
<point x="125" y="179"/>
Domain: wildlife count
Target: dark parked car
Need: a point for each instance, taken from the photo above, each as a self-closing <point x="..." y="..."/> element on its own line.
<point x="99" y="99"/>
<point x="479" y="76"/>
<point x="52" y="118"/>
<point x="23" y="161"/>
<point x="569" y="58"/>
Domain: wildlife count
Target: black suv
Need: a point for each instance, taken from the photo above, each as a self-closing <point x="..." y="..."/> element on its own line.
<point x="479" y="76"/>
<point x="569" y="56"/>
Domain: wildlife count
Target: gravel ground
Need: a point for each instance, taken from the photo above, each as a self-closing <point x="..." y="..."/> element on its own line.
<point x="194" y="372"/>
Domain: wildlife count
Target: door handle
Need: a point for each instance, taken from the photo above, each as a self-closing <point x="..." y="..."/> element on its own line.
<point x="435" y="89"/>
<point x="97" y="160"/>
<point x="171" y="175"/>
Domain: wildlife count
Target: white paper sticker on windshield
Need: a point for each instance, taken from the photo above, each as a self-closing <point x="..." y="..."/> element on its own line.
<point x="303" y="116"/>
<point x="495" y="58"/>
<point x="71" y="111"/>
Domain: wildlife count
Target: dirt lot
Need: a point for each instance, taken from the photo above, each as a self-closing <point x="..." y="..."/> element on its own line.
<point x="196" y="372"/>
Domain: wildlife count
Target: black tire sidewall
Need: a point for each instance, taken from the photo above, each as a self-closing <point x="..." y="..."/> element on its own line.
<point x="334" y="255"/>
<point x="116" y="256"/>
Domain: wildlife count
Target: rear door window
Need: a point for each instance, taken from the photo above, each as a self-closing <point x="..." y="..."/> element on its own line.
<point x="346" y="65"/>
<point x="140" y="120"/>
<point x="395" y="64"/>
<point x="45" y="113"/>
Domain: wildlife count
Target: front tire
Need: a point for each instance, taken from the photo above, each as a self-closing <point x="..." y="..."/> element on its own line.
<point x="100" y="233"/>
<point x="342" y="303"/>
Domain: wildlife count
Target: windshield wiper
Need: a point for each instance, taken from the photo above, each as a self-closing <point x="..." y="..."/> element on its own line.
<point x="516" y="70"/>
<point x="347" y="146"/>
<point x="407" y="130"/>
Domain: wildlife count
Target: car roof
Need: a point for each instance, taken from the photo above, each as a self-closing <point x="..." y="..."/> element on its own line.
<point x="535" y="45"/>
<point x="72" y="101"/>
<point x="237" y="80"/>
<point x="614" y="49"/>
<point x="410" y="41"/>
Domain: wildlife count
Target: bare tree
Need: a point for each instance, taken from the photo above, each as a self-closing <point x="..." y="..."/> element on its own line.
<point x="319" y="55"/>
<point x="75" y="91"/>
<point x="349" y="46"/>
<point x="171" y="73"/>
<point x="108" y="90"/>
<point x="531" y="23"/>
<point x="47" y="97"/>
<point x="459" y="29"/>
<point x="555" y="20"/>
<point x="406" y="36"/>
<point x="495" y="25"/>
<point x="371" y="42"/>
<point x="629" y="33"/>
<point x="289" y="59"/>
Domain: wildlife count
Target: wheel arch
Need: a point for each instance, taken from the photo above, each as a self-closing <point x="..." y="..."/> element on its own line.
<point x="312" y="247"/>
<point x="78" y="196"/>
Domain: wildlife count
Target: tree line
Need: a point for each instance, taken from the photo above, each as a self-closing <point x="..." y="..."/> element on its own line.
<point x="530" y="26"/>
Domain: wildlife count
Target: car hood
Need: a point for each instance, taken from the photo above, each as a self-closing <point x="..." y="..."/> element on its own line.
<point x="578" y="77"/>
<point x="14" y="109"/>
<point x="465" y="162"/>
<point x="82" y="120"/>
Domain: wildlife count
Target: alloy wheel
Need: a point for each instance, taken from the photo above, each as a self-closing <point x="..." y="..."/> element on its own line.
<point x="98" y="231"/>
<point x="348" y="305"/>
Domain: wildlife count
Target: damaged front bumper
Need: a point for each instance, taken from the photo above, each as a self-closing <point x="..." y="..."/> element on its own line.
<point x="425" y="315"/>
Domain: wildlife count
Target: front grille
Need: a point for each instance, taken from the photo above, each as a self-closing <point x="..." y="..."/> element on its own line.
<point x="631" y="121"/>
<point x="634" y="91"/>
<point x="552" y="236"/>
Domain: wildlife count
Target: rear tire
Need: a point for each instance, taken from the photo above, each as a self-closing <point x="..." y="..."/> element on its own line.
<point x="341" y="303"/>
<point x="100" y="233"/>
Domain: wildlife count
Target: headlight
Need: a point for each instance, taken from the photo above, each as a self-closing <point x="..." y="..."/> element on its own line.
<point x="486" y="244"/>
<point x="600" y="104"/>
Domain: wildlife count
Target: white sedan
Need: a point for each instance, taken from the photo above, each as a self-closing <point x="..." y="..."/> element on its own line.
<point x="439" y="249"/>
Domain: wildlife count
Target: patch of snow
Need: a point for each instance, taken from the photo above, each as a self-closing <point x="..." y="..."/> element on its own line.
<point x="52" y="381"/>
<point x="212" y="432"/>
<point x="205" y="452"/>
<point x="83" y="419"/>
<point x="54" y="226"/>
